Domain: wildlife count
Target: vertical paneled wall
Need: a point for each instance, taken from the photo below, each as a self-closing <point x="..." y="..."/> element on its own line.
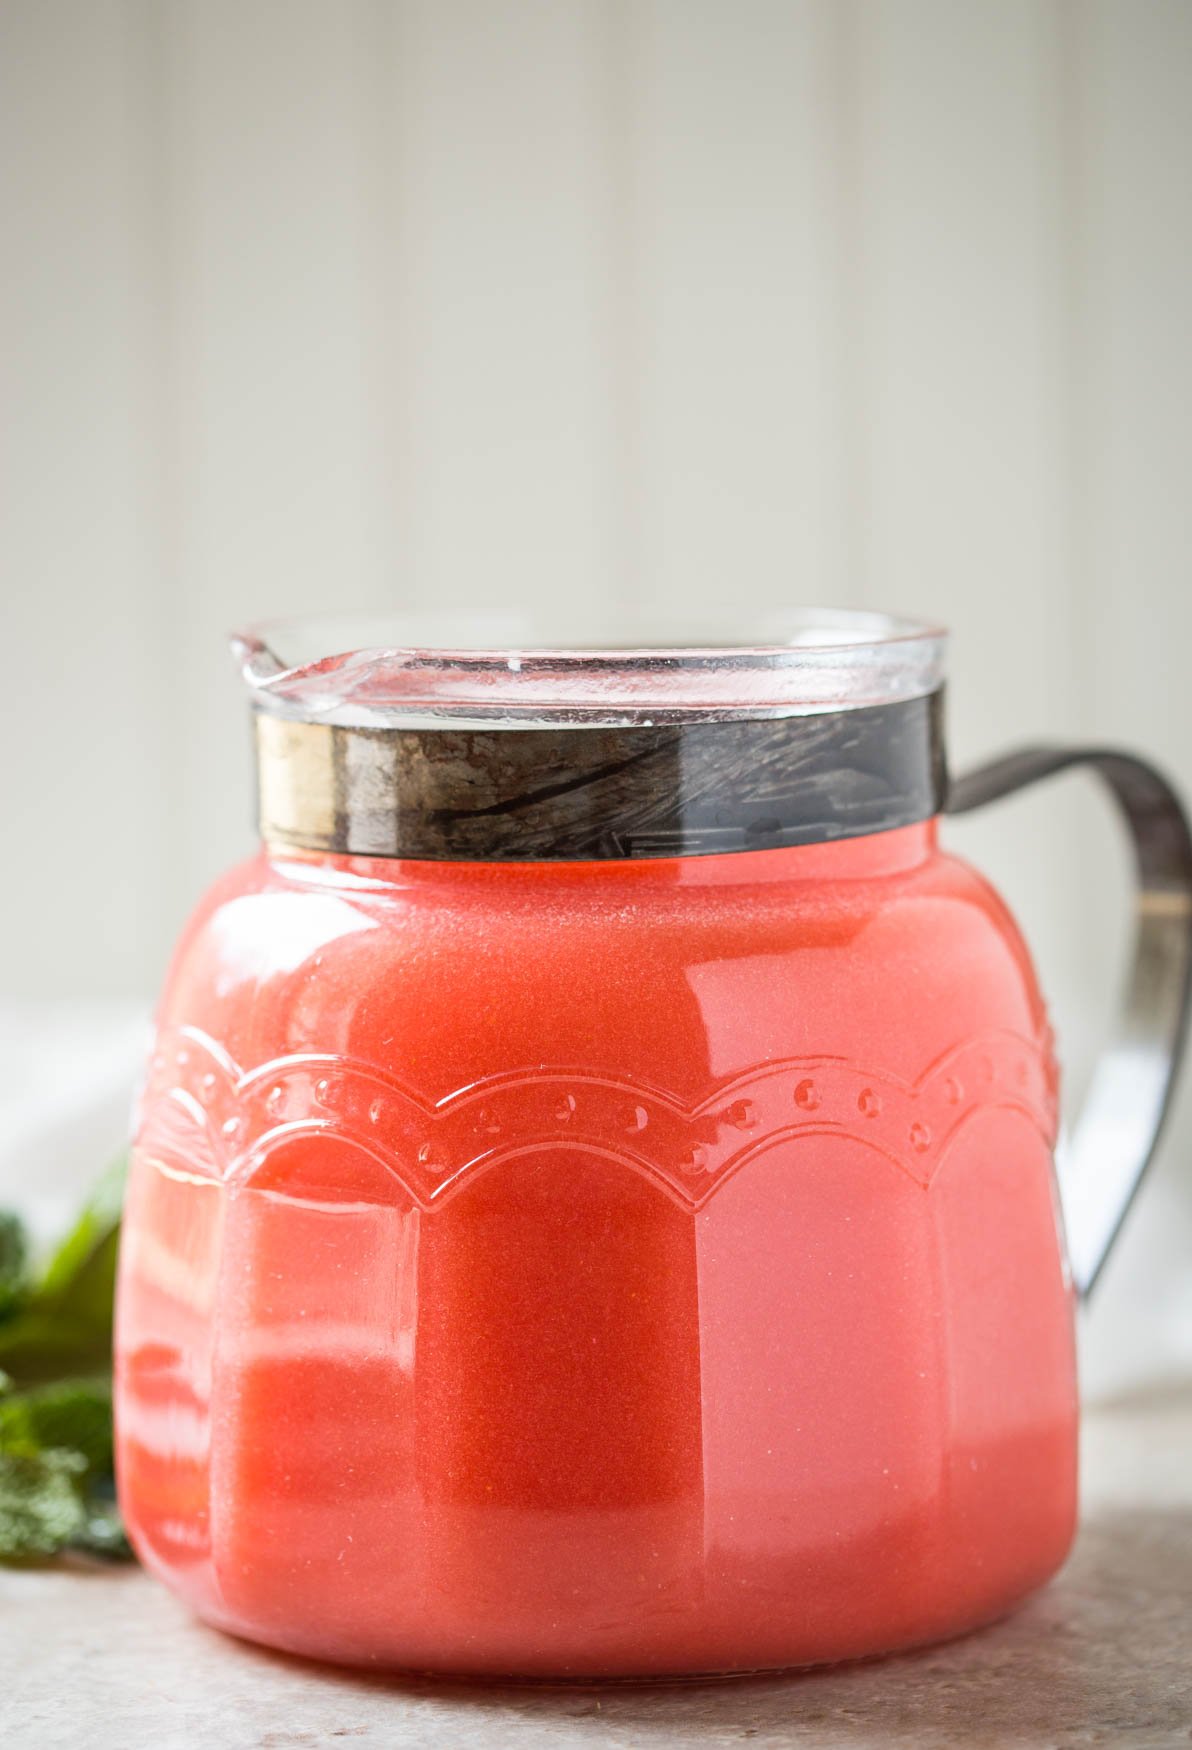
<point x="509" y="304"/>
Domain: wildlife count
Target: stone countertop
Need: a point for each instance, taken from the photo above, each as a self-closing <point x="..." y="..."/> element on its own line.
<point x="104" y="1658"/>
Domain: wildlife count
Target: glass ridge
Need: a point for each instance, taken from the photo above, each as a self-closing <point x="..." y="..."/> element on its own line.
<point x="393" y="673"/>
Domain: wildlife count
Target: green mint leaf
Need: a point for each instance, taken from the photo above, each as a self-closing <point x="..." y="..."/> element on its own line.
<point x="62" y="1326"/>
<point x="41" y="1504"/>
<point x="57" y="1489"/>
<point x="14" y="1263"/>
<point x="44" y="1344"/>
<point x="81" y="1274"/>
<point x="73" y="1415"/>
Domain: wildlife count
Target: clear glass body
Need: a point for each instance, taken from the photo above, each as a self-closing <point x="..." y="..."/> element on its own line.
<point x="587" y="1270"/>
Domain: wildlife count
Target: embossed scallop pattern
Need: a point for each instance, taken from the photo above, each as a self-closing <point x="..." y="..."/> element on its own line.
<point x="212" y="1115"/>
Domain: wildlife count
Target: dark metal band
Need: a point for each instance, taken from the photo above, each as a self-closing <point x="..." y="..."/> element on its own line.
<point x="579" y="794"/>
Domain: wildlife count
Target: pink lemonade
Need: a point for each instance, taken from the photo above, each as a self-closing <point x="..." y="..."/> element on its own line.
<point x="599" y="1267"/>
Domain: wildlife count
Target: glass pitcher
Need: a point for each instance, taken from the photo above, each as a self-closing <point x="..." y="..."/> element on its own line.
<point x="592" y="1208"/>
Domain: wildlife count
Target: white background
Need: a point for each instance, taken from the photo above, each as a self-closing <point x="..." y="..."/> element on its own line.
<point x="376" y="303"/>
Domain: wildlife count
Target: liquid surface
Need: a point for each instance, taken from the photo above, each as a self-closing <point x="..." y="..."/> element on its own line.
<point x="599" y="1269"/>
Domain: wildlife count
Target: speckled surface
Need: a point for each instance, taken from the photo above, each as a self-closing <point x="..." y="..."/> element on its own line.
<point x="107" y="1660"/>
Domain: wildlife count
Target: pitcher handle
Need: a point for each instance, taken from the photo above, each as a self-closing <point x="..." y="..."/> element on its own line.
<point x="1116" y="1132"/>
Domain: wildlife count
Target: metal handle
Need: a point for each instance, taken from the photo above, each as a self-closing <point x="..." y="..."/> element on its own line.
<point x="1116" y="1132"/>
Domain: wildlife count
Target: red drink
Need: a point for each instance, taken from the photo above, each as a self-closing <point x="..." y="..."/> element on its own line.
<point x="580" y="1379"/>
